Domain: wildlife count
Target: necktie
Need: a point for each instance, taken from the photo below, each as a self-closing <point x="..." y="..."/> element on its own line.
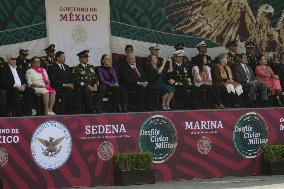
<point x="136" y="70"/>
<point x="62" y="67"/>
<point x="247" y="72"/>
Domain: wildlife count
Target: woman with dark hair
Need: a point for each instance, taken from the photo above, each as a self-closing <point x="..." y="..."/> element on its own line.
<point x="38" y="79"/>
<point x="265" y="75"/>
<point x="202" y="80"/>
<point x="157" y="76"/>
<point x="225" y="80"/>
<point x="109" y="82"/>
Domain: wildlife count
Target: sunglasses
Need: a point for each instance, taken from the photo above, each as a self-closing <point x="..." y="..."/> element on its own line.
<point x="13" y="58"/>
<point x="85" y="56"/>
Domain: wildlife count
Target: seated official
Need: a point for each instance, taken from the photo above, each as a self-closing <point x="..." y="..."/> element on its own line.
<point x="86" y="81"/>
<point x="133" y="79"/>
<point x="245" y="76"/>
<point x="181" y="78"/>
<point x="38" y="79"/>
<point x="109" y="82"/>
<point x="265" y="75"/>
<point x="203" y="80"/>
<point x="13" y="80"/>
<point x="224" y="78"/>
<point x="157" y="75"/>
<point x="62" y="80"/>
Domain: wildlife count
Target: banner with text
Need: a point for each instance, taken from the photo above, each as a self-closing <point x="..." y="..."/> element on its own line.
<point x="66" y="151"/>
<point x="77" y="25"/>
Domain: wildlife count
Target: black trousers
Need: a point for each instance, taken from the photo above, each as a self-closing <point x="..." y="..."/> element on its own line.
<point x="73" y="102"/>
<point x="91" y="100"/>
<point x="118" y="96"/>
<point x="13" y="98"/>
<point x="2" y="103"/>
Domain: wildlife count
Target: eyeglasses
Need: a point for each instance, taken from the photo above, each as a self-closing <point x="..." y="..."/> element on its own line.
<point x="13" y="58"/>
<point x="84" y="56"/>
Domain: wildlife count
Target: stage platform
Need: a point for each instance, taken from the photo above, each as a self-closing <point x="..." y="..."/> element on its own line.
<point x="67" y="151"/>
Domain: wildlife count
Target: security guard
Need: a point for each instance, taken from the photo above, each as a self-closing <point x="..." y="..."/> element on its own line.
<point x="22" y="60"/>
<point x="48" y="60"/>
<point x="251" y="54"/>
<point x="87" y="81"/>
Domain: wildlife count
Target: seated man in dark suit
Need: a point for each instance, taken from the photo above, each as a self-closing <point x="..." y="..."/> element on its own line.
<point x="14" y="82"/>
<point x="133" y="79"/>
<point x="62" y="81"/>
<point x="245" y="76"/>
<point x="86" y="80"/>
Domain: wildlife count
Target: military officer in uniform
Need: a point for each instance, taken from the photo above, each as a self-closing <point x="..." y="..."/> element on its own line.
<point x="87" y="81"/>
<point x="202" y="49"/>
<point x="179" y="47"/>
<point x="180" y="78"/>
<point x="233" y="54"/>
<point x="154" y="50"/>
<point x="49" y="59"/>
<point x="22" y="61"/>
<point x="251" y="55"/>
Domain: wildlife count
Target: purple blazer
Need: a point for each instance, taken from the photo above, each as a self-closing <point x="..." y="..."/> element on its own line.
<point x="107" y="78"/>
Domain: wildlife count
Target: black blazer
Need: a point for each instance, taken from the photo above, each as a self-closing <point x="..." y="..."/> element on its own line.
<point x="240" y="74"/>
<point x="59" y="76"/>
<point x="7" y="79"/>
<point x="129" y="78"/>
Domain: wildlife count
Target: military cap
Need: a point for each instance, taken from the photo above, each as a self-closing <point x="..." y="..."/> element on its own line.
<point x="50" y="48"/>
<point x="179" y="46"/>
<point x="201" y="44"/>
<point x="156" y="47"/>
<point x="233" y="43"/>
<point x="128" y="47"/>
<point x="83" y="53"/>
<point x="249" y="45"/>
<point x="24" y="51"/>
<point x="179" y="53"/>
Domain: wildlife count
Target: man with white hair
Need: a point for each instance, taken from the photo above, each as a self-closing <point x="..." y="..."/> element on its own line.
<point x="14" y="82"/>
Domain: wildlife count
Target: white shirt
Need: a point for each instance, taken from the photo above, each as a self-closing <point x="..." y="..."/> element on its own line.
<point x="60" y="66"/>
<point x="245" y="67"/>
<point x="197" y="78"/>
<point x="16" y="76"/>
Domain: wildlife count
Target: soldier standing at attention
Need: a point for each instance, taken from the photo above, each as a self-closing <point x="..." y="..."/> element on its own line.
<point x="22" y="61"/>
<point x="233" y="54"/>
<point x="87" y="81"/>
<point x="49" y="59"/>
<point x="202" y="49"/>
<point x="251" y="55"/>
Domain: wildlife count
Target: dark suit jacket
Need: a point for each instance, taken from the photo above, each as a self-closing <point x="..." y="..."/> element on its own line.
<point x="7" y="79"/>
<point x="240" y="74"/>
<point x="59" y="76"/>
<point x="129" y="78"/>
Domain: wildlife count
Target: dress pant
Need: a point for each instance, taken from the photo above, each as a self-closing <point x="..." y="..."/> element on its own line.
<point x="13" y="98"/>
<point x="2" y="103"/>
<point x="211" y="90"/>
<point x="92" y="101"/>
<point x="257" y="87"/>
<point x="118" y="98"/>
<point x="138" y="101"/>
<point x="73" y="103"/>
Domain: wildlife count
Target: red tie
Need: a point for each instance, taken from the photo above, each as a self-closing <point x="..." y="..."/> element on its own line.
<point x="136" y="70"/>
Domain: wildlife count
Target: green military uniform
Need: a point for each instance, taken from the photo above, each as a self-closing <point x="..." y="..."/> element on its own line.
<point x="48" y="61"/>
<point x="233" y="58"/>
<point x="85" y="75"/>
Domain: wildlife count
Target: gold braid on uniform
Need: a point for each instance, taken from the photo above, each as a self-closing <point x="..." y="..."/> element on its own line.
<point x="224" y="73"/>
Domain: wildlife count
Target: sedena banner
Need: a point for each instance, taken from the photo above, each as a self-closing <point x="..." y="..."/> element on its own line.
<point x="77" y="25"/>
